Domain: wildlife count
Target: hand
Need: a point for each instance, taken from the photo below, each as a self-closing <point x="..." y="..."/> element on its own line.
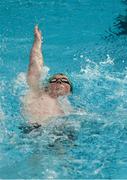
<point x="37" y="34"/>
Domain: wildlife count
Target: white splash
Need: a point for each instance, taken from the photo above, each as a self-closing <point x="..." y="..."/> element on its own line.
<point x="44" y="72"/>
<point x="109" y="60"/>
<point x="20" y="83"/>
<point x="65" y="105"/>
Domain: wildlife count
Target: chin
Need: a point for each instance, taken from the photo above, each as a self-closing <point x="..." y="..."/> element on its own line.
<point x="57" y="91"/>
<point x="62" y="94"/>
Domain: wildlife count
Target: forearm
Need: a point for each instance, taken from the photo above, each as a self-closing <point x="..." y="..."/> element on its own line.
<point x="36" y="56"/>
<point x="35" y="67"/>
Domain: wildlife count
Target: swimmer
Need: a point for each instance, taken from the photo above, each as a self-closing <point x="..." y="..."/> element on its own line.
<point x="41" y="103"/>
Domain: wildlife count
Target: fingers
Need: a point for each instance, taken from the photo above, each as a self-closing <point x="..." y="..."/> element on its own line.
<point x="36" y="28"/>
<point x="38" y="34"/>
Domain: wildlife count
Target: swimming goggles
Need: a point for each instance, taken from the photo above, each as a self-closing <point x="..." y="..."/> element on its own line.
<point x="64" y="80"/>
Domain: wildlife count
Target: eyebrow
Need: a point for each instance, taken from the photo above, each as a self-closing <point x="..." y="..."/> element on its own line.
<point x="62" y="78"/>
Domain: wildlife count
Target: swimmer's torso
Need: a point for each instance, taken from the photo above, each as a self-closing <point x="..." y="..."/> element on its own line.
<point x="39" y="107"/>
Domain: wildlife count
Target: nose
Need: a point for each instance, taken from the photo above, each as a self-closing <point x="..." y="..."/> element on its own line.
<point x="59" y="81"/>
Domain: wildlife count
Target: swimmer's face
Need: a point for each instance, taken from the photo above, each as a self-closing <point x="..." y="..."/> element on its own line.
<point x="59" y="85"/>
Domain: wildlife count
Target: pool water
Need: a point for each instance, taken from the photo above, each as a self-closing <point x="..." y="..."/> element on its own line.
<point x="87" y="40"/>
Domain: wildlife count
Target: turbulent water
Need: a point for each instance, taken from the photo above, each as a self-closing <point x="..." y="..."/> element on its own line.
<point x="82" y="39"/>
<point x="90" y="143"/>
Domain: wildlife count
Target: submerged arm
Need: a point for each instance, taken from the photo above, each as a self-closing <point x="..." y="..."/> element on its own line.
<point x="36" y="61"/>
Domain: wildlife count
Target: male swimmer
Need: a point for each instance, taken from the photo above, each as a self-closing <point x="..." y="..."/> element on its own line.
<point x="41" y="103"/>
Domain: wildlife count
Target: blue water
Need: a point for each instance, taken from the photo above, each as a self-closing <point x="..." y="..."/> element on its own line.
<point x="87" y="40"/>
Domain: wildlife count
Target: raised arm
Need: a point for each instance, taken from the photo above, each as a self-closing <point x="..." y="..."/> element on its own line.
<point x="36" y="61"/>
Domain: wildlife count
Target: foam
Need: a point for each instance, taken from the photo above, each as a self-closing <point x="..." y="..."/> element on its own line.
<point x="20" y="84"/>
<point x="100" y="90"/>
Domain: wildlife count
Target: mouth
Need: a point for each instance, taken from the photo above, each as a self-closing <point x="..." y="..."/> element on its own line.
<point x="60" y="88"/>
<point x="60" y="85"/>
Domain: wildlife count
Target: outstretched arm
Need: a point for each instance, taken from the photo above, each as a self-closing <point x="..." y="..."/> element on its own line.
<point x="36" y="61"/>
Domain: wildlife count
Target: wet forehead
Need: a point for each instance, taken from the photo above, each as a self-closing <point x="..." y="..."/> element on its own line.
<point x="60" y="76"/>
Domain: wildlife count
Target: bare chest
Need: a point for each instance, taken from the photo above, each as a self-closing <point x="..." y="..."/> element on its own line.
<point x="41" y="107"/>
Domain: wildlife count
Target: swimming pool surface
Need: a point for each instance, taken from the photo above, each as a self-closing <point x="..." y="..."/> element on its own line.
<point x="87" y="40"/>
